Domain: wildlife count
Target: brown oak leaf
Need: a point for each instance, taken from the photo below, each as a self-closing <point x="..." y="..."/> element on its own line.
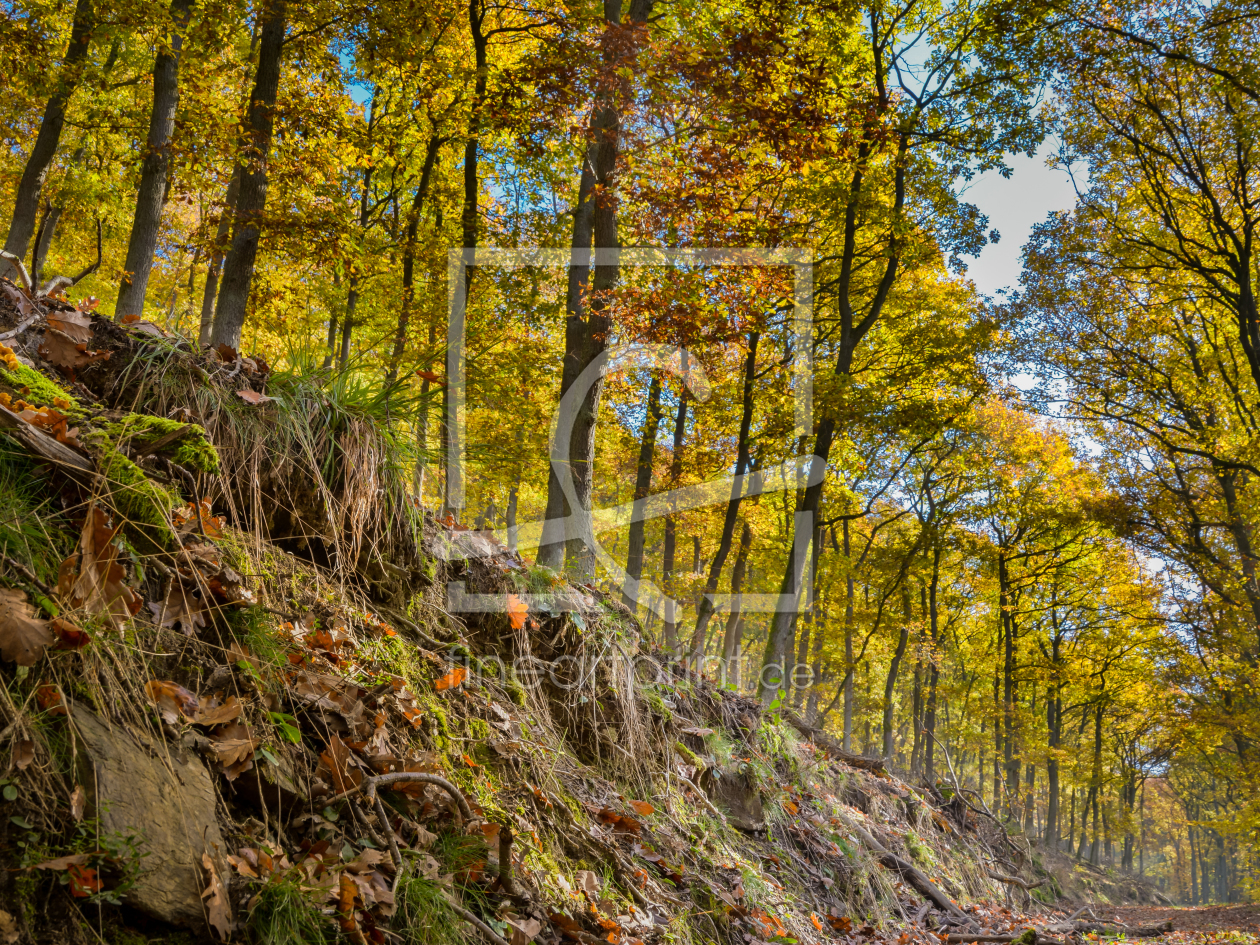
<point x="92" y="578"/>
<point x="23" y="636"/>
<point x="183" y="607"/>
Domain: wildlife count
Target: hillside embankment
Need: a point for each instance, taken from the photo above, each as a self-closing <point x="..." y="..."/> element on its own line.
<point x="249" y="691"/>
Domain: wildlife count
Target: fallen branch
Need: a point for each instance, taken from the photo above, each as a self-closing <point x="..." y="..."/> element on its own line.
<point x="1036" y="938"/>
<point x="26" y="574"/>
<point x="20" y="266"/>
<point x="1015" y="881"/>
<point x="826" y="742"/>
<point x="910" y="873"/>
<point x="370" y="785"/>
<point x="490" y="934"/>
<point x="43" y="445"/>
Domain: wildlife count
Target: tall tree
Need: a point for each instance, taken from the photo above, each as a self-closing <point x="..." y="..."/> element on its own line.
<point x="155" y="168"/>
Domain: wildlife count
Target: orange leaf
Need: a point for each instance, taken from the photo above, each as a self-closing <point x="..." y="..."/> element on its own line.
<point x="83" y="881"/>
<point x="517" y="611"/>
<point x="790" y="807"/>
<point x="451" y="679"/>
<point x="817" y="922"/>
<point x="643" y="807"/>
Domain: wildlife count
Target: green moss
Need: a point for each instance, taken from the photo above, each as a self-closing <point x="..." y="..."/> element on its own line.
<point x="478" y="728"/>
<point x="36" y="389"/>
<point x="193" y="451"/>
<point x="145" y="505"/>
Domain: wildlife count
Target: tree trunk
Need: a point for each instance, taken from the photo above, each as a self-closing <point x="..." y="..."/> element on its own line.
<point x="409" y="257"/>
<point x="890" y="683"/>
<point x="934" y="670"/>
<point x="151" y="195"/>
<point x="704" y="612"/>
<point x="642" y="486"/>
<point x="735" y="622"/>
<point x="587" y="327"/>
<point x="847" y="741"/>
<point x="30" y="187"/>
<point x="238" y="267"/>
<point x="671" y="526"/>
<point x="810" y="626"/>
<point x="224" y="231"/>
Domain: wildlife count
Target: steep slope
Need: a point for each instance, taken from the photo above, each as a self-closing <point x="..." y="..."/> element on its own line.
<point x="282" y="729"/>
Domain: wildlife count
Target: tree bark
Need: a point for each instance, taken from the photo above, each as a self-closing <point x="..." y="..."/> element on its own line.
<point x="31" y="185"/>
<point x="238" y="267"/>
<point x="409" y="257"/>
<point x="934" y="670"/>
<point x="704" y="611"/>
<point x="642" y="486"/>
<point x="735" y="621"/>
<point x="890" y="681"/>
<point x="587" y="326"/>
<point x="848" y="641"/>
<point x="154" y="172"/>
<point x="209" y="292"/>
<point x="671" y="525"/>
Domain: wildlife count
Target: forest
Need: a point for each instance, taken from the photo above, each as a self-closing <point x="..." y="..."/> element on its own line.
<point x="672" y="300"/>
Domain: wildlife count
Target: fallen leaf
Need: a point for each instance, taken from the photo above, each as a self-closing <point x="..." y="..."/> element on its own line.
<point x="69" y="356"/>
<point x="218" y="908"/>
<point x="643" y="807"/>
<point x="346" y="898"/>
<point x="23" y="754"/>
<point x="233" y="751"/>
<point x="136" y="323"/>
<point x="253" y="397"/>
<point x="226" y="352"/>
<point x="92" y="578"/>
<point x="337" y="760"/>
<point x="23" y="637"/>
<point x="217" y="715"/>
<point x="74" y="325"/>
<point x="63" y="862"/>
<point x="84" y="882"/>
<point x="817" y="922"/>
<point x="517" y="611"/>
<point x="49" y="699"/>
<point x="78" y="801"/>
<point x="701" y="732"/>
<point x="588" y="882"/>
<point x="70" y="636"/>
<point x="183" y="607"/>
<point x="172" y="701"/>
<point x="523" y="930"/>
<point x="451" y="679"/>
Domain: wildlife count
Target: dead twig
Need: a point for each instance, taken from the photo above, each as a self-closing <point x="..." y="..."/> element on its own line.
<point x="20" y="266"/>
<point x="27" y="574"/>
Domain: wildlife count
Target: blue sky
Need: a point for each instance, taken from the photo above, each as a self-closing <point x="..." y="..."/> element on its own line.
<point x="1014" y="206"/>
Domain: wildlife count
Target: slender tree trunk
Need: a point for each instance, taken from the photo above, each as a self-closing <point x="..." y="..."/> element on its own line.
<point x="890" y="683"/>
<point x="731" y="655"/>
<point x="30" y="187"/>
<point x="642" y="486"/>
<point x="810" y="626"/>
<point x="671" y="525"/>
<point x="743" y="462"/>
<point x="151" y="195"/>
<point x="210" y="291"/>
<point x="587" y="326"/>
<point x="848" y="641"/>
<point x="238" y="267"/>
<point x="929" y="720"/>
<point x="409" y="257"/>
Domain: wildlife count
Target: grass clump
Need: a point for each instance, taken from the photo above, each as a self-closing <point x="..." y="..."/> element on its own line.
<point x="281" y="914"/>
<point x="424" y="916"/>
<point x="31" y="530"/>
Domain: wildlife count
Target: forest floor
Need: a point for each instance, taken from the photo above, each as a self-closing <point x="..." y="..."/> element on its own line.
<point x="1243" y="918"/>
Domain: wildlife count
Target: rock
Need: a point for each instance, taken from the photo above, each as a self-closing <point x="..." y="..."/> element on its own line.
<point x="735" y="793"/>
<point x="167" y="800"/>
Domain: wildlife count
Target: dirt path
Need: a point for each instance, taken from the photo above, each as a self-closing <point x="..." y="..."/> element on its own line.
<point x="1244" y="918"/>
